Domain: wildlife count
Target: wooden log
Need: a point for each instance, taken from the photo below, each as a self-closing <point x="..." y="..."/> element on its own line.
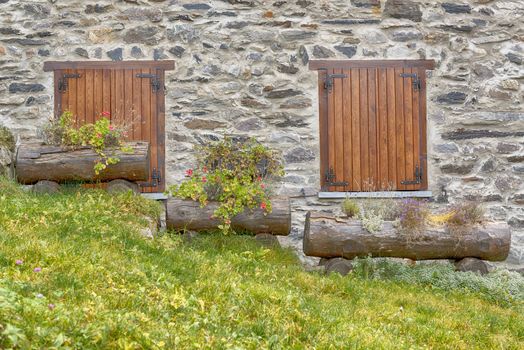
<point x="183" y="214"/>
<point x="327" y="237"/>
<point x="36" y="161"/>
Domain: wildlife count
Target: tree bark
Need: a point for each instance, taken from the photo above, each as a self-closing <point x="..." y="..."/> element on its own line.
<point x="183" y="214"/>
<point x="327" y="237"/>
<point x="36" y="161"/>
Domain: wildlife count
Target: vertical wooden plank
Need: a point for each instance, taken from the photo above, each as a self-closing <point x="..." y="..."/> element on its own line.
<point x="346" y="118"/>
<point x="423" y="126"/>
<point x="119" y="117"/>
<point x="161" y="131"/>
<point x="323" y="127"/>
<point x="391" y="125"/>
<point x="399" y="120"/>
<point x="355" y="129"/>
<point x="154" y="128"/>
<point x="364" y="130"/>
<point x="89" y="101"/>
<point x="98" y="92"/>
<point x="135" y="128"/>
<point x="112" y="94"/>
<point x="81" y="98"/>
<point x="338" y="129"/>
<point x="331" y="130"/>
<point x="146" y="116"/>
<point x="372" y="129"/>
<point x="106" y="90"/>
<point x="383" y="159"/>
<point x="64" y="96"/>
<point x="408" y="127"/>
<point x="416" y="128"/>
<point x="72" y="95"/>
<point x="128" y="102"/>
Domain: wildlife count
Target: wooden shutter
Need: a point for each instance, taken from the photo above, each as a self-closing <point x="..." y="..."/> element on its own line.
<point x="132" y="91"/>
<point x="372" y="124"/>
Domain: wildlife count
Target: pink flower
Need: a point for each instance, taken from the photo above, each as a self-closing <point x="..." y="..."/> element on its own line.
<point x="19" y="262"/>
<point x="106" y="114"/>
<point x="262" y="186"/>
<point x="263" y="205"/>
<point x="99" y="135"/>
<point x="227" y="222"/>
<point x="259" y="178"/>
<point x="204" y="169"/>
<point x="111" y="127"/>
<point x="204" y="179"/>
<point x="37" y="269"/>
<point x="51" y="306"/>
<point x="189" y="172"/>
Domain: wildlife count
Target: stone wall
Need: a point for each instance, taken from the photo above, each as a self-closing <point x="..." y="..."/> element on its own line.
<point x="241" y="68"/>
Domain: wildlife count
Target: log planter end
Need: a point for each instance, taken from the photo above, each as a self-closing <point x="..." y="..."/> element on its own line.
<point x="184" y="214"/>
<point x="328" y="237"/>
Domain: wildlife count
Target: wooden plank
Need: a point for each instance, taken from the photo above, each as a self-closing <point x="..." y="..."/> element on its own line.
<point x="423" y="130"/>
<point x="364" y="129"/>
<point x="338" y="94"/>
<point x="119" y="113"/>
<point x="355" y="129"/>
<point x="81" y="99"/>
<point x="331" y="130"/>
<point x="391" y="128"/>
<point x="135" y="128"/>
<point x="408" y="127"/>
<point x="346" y="64"/>
<point x="98" y="92"/>
<point x="57" y="95"/>
<point x="54" y="65"/>
<point x="323" y="126"/>
<point x="399" y="126"/>
<point x="377" y="194"/>
<point x="64" y="97"/>
<point x="106" y="90"/>
<point x="346" y="117"/>
<point x="89" y="81"/>
<point x="417" y="131"/>
<point x="161" y="141"/>
<point x="382" y="127"/>
<point x="146" y="117"/>
<point x="112" y="94"/>
<point x="128" y="102"/>
<point x="372" y="129"/>
<point x="72" y="89"/>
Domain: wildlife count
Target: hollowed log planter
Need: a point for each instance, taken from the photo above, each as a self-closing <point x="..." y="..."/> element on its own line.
<point x="183" y="214"/>
<point x="36" y="161"/>
<point x="328" y="238"/>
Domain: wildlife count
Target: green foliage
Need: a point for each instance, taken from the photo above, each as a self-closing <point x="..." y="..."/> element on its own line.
<point x="102" y="136"/>
<point x="413" y="217"/>
<point x="501" y="286"/>
<point x="6" y="138"/>
<point x="103" y="286"/>
<point x="371" y="221"/>
<point x="235" y="174"/>
<point x="350" y="208"/>
<point x="386" y="208"/>
<point x="464" y="216"/>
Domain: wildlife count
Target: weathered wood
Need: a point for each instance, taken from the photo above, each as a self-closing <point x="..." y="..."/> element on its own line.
<point x="184" y="214"/>
<point x="36" y="161"/>
<point x="329" y="237"/>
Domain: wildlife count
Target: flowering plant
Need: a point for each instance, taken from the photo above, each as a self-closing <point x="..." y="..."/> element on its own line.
<point x="413" y="217"/>
<point x="234" y="174"/>
<point x="101" y="136"/>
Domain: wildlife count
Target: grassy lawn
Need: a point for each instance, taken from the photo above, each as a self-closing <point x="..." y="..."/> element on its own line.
<point x="101" y="285"/>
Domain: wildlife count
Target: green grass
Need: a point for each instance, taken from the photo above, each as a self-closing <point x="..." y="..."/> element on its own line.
<point x="111" y="288"/>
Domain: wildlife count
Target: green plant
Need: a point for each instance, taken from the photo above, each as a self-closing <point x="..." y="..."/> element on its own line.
<point x="236" y="174"/>
<point x="464" y="216"/>
<point x="102" y="136"/>
<point x="386" y="208"/>
<point x="371" y="221"/>
<point x="413" y="217"/>
<point x="350" y="207"/>
<point x="6" y="138"/>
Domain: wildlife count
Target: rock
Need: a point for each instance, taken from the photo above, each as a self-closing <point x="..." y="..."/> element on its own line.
<point x="296" y="103"/>
<point x="297" y="34"/>
<point x="515" y="222"/>
<point x="249" y="124"/>
<point x="457" y="168"/>
<point x="473" y="265"/>
<point x="288" y="69"/>
<point x="514" y="58"/>
<point x="518" y="198"/>
<point x="339" y="265"/>
<point x="267" y="240"/>
<point x="22" y="87"/>
<point x="252" y="102"/>
<point x="37" y="11"/>
<point x="462" y="134"/>
<point x="366" y="3"/>
<point x="43" y="52"/>
<point x="450" y="7"/>
<point x="151" y="230"/>
<point x="184" y="32"/>
<point x="177" y="51"/>
<point x="283" y="93"/>
<point x="26" y="42"/>
<point x="506" y="148"/>
<point x="518" y="169"/>
<point x="97" y="8"/>
<point x="322" y="52"/>
<point x="46" y="187"/>
<point x="488" y="166"/>
<point x="82" y="52"/>
<point x="142" y="14"/>
<point x="510" y="84"/>
<point x="237" y="24"/>
<point x="350" y="21"/>
<point x="348" y="51"/>
<point x="403" y="36"/>
<point x="299" y="155"/>
<point x="196" y="6"/>
<point x="205" y="124"/>
<point x="454" y="97"/>
<point x="403" y="9"/>
<point x="122" y="186"/>
<point x="516" y="159"/>
<point x="446" y="148"/>
<point x="303" y="55"/>
<point x="482" y="71"/>
<point x="136" y="52"/>
<point x="115" y="55"/>
<point x="141" y="35"/>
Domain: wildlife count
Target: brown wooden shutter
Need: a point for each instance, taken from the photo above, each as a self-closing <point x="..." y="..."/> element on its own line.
<point x="132" y="91"/>
<point x="372" y="124"/>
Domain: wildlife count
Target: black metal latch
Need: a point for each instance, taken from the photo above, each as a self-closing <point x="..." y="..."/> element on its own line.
<point x="417" y="85"/>
<point x="62" y="82"/>
<point x="155" y="81"/>
<point x="156" y="176"/>
<point x="330" y="179"/>
<point x="418" y="177"/>
<point x="328" y="83"/>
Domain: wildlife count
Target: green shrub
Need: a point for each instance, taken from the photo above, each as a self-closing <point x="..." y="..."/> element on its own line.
<point x="371" y="222"/>
<point x="464" y="216"/>
<point x="350" y="208"/>
<point x="6" y="138"/>
<point x="386" y="208"/>
<point x="413" y="217"/>
<point x="236" y="174"/>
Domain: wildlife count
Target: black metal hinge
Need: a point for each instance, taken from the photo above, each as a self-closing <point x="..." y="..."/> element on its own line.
<point x="330" y="179"/>
<point x="417" y="84"/>
<point x="418" y="177"/>
<point x="155" y="81"/>
<point x="328" y="83"/>
<point x="62" y="82"/>
<point x="156" y="176"/>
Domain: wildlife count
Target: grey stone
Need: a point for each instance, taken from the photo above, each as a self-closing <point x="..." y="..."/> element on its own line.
<point x="518" y="168"/>
<point x="46" y="187"/>
<point x="97" y="8"/>
<point x="462" y="134"/>
<point x="450" y="7"/>
<point x="23" y="87"/>
<point x="446" y="148"/>
<point x="43" y="52"/>
<point x="456" y="168"/>
<point x="115" y="54"/>
<point x="267" y="240"/>
<point x="142" y="35"/>
<point x="322" y="52"/>
<point x="339" y="265"/>
<point x="516" y="159"/>
<point x="296" y="103"/>
<point x="196" y="6"/>
<point x="255" y="56"/>
<point x="252" y="102"/>
<point x="283" y="93"/>
<point x="514" y="58"/>
<point x="288" y="69"/>
<point x="348" y="51"/>
<point x="299" y="155"/>
<point x="304" y="3"/>
<point x="516" y="222"/>
<point x="297" y="34"/>
<point x="473" y="265"/>
<point x="518" y="198"/>
<point x="82" y="52"/>
<point x="158" y="54"/>
<point x="9" y="31"/>
<point x="26" y="42"/>
<point x="37" y="11"/>
<point x="488" y="166"/>
<point x="351" y="21"/>
<point x="454" y="97"/>
<point x="237" y="24"/>
<point x="459" y="27"/>
<point x="136" y="52"/>
<point x="204" y="124"/>
<point x="403" y="35"/>
<point x="506" y="148"/>
<point x="483" y="71"/>
<point x="142" y="14"/>
<point x="249" y="124"/>
<point x="177" y="51"/>
<point x="403" y="9"/>
<point x="184" y="32"/>
<point x="303" y="55"/>
<point x="366" y="3"/>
